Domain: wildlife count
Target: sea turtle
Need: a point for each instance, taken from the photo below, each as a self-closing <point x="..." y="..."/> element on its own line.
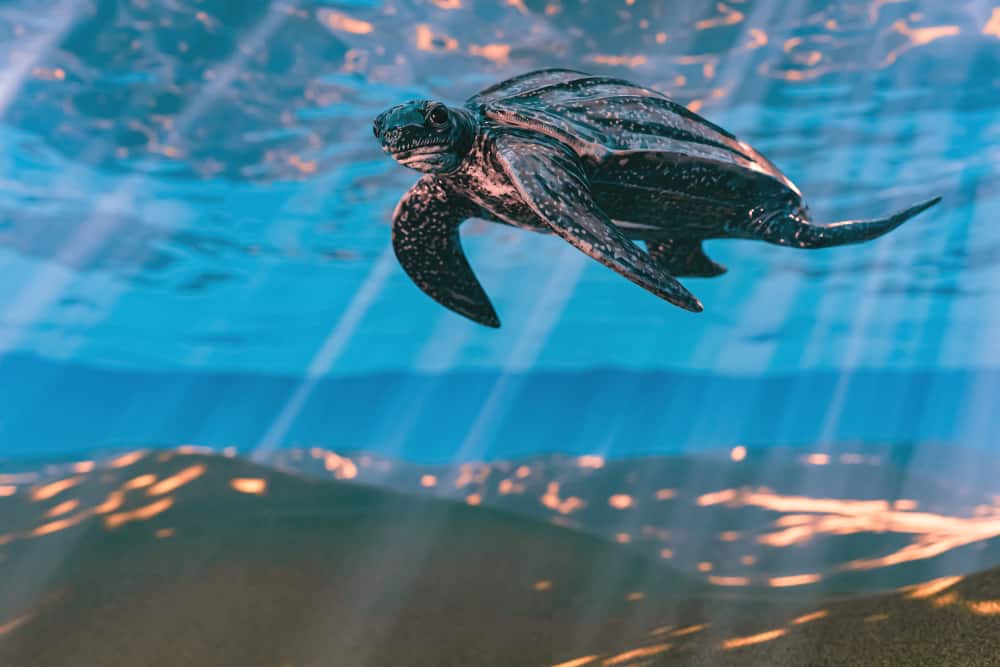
<point x="601" y="162"/>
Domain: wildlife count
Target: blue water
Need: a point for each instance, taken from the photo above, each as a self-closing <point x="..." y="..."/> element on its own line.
<point x="194" y="239"/>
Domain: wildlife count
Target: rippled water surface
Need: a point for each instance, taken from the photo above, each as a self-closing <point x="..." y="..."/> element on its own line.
<point x="195" y="185"/>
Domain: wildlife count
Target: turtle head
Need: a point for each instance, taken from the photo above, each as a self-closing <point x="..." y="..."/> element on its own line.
<point x="425" y="135"/>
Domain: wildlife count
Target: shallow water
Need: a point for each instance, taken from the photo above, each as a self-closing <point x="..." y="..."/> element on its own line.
<point x="194" y="248"/>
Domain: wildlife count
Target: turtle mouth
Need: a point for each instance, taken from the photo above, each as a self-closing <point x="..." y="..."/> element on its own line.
<point x="425" y="153"/>
<point x="422" y="147"/>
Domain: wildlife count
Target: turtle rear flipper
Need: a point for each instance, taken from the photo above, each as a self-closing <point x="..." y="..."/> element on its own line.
<point x="791" y="227"/>
<point x="684" y="259"/>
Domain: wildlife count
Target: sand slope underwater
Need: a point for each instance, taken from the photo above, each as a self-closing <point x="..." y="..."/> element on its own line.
<point x="167" y="559"/>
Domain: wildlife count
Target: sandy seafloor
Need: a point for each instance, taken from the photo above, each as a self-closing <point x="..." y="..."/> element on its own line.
<point x="183" y="558"/>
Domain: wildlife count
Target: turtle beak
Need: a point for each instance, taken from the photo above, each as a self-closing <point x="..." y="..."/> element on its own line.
<point x="391" y="125"/>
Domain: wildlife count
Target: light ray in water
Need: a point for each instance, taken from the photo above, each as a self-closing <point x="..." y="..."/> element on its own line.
<point x="327" y="354"/>
<point x="27" y="56"/>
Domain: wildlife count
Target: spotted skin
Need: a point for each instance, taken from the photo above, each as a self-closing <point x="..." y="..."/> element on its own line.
<point x="601" y="162"/>
<point x="426" y="242"/>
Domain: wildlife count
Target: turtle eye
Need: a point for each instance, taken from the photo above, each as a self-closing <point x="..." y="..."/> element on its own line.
<point x="438" y="115"/>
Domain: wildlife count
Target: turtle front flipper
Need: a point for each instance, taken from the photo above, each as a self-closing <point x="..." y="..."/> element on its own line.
<point x="551" y="180"/>
<point x="427" y="244"/>
<point x="684" y="258"/>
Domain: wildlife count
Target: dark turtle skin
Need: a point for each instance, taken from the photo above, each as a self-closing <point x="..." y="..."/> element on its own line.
<point x="601" y="162"/>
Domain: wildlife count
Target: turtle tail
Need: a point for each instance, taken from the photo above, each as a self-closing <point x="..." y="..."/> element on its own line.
<point x="792" y="228"/>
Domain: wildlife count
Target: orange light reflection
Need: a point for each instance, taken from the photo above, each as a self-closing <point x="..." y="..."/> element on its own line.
<point x="54" y="488"/>
<point x="176" y="481"/>
<point x="737" y="642"/>
<point x="636" y="654"/>
<point x="139" y="514"/>
<point x="251" y="485"/>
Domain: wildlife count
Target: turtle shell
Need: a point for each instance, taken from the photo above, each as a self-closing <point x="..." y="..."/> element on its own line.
<point x="605" y="119"/>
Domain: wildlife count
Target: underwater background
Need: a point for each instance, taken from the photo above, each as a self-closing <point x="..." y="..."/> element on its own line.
<point x="196" y="280"/>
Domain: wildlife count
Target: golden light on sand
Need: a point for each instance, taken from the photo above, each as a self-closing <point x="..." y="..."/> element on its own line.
<point x="143" y="513"/>
<point x="341" y="466"/>
<point x="623" y="538"/>
<point x="174" y="482"/>
<point x="474" y="499"/>
<point x="140" y="482"/>
<point x="945" y="600"/>
<point x="448" y="4"/>
<point x="164" y="533"/>
<point x="552" y="500"/>
<point x="188" y="450"/>
<point x="522" y="471"/>
<point x="83" y="467"/>
<point x="507" y="487"/>
<point x="542" y="585"/>
<point x="126" y="460"/>
<point x="666" y="494"/>
<point x="635" y="596"/>
<point x="7" y="490"/>
<point x="817" y="459"/>
<point x="252" y="485"/>
<point x="992" y="26"/>
<point x="729" y="536"/>
<point x="794" y="580"/>
<point x="636" y="654"/>
<point x="472" y="473"/>
<point x="728" y="581"/>
<point x="738" y="453"/>
<point x="64" y="507"/>
<point x="666" y="554"/>
<point x="590" y="461"/>
<point x="748" y="559"/>
<point x="904" y="505"/>
<point x="578" y="662"/>
<point x="809" y="618"/>
<point x="877" y="618"/>
<point x="770" y="635"/>
<point x="689" y="630"/>
<point x="621" y="501"/>
<point x="15" y="623"/>
<point x="717" y="497"/>
<point x="343" y="23"/>
<point x="930" y="588"/>
<point x="347" y="469"/>
<point x="56" y="526"/>
<point x="807" y="517"/>
<point x="428" y="481"/>
<point x="704" y="566"/>
<point x="52" y="489"/>
<point x="114" y="500"/>
<point x="984" y="607"/>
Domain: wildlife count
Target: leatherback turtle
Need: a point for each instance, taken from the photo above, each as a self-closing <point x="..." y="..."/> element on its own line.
<point x="601" y="162"/>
